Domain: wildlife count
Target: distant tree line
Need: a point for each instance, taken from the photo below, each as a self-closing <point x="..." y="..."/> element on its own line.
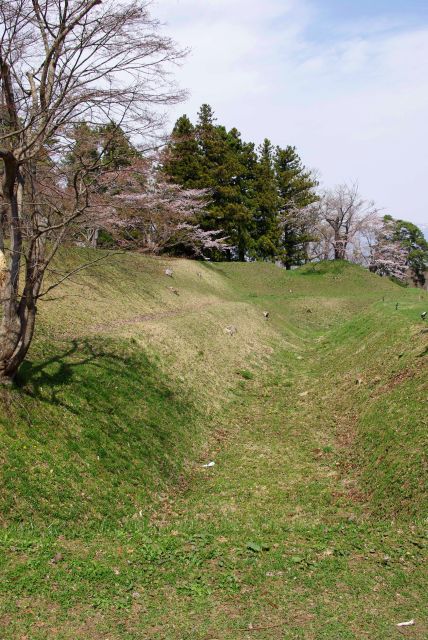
<point x="209" y="194"/>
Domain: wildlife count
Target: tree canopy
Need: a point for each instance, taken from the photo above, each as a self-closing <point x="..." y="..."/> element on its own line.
<point x="256" y="193"/>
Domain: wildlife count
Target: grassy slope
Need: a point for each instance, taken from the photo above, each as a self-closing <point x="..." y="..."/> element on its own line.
<point x="311" y="523"/>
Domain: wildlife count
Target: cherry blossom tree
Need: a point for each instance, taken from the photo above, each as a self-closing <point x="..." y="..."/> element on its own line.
<point x="388" y="257"/>
<point x="63" y="62"/>
<point x="144" y="211"/>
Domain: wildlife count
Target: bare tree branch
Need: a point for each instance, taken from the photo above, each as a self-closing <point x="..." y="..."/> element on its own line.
<point x="63" y="62"/>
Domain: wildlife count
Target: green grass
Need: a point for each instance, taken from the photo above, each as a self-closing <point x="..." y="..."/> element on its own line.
<point x="312" y="522"/>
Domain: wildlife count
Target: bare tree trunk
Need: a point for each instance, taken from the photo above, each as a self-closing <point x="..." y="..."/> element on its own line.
<point x="19" y="309"/>
<point x="93" y="238"/>
<point x="340" y="245"/>
<point x="16" y="339"/>
<point x="18" y="323"/>
<point x="10" y="324"/>
<point x="54" y="59"/>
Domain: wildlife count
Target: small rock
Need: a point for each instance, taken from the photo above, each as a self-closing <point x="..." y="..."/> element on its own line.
<point x="57" y="558"/>
<point x="231" y="330"/>
<point x="169" y="273"/>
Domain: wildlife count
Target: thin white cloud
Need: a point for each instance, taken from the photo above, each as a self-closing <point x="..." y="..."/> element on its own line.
<point x="354" y="103"/>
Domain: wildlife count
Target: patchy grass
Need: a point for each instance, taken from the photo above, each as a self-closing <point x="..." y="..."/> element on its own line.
<point x="312" y="522"/>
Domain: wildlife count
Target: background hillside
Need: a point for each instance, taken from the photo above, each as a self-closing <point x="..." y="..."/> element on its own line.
<point x="316" y="420"/>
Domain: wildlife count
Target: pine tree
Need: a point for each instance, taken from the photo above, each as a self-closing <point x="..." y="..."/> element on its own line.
<point x="116" y="149"/>
<point x="225" y="171"/>
<point x="267" y="204"/>
<point x="254" y="195"/>
<point x="182" y="161"/>
<point x="104" y="147"/>
<point x="296" y="187"/>
<point x="207" y="156"/>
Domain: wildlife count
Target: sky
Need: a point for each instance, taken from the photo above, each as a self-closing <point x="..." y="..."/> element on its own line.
<point x="345" y="81"/>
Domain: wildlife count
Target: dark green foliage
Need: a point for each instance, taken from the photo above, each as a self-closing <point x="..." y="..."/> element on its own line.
<point x="225" y="172"/>
<point x="117" y="150"/>
<point x="256" y="196"/>
<point x="207" y="156"/>
<point x="95" y="148"/>
<point x="296" y="186"/>
<point x="412" y="240"/>
<point x="267" y="204"/>
<point x="183" y="159"/>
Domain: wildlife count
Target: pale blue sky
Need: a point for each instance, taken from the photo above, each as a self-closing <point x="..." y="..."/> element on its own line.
<point x="345" y="81"/>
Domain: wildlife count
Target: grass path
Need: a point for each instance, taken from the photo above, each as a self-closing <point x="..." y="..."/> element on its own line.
<point x="273" y="542"/>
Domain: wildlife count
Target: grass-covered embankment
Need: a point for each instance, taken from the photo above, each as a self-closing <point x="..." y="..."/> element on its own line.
<point x="311" y="523"/>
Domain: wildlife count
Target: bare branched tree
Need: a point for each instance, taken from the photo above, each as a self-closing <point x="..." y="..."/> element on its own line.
<point x="63" y="62"/>
<point x="343" y="215"/>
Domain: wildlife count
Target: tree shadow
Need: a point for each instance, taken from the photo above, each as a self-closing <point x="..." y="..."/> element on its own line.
<point x="34" y="377"/>
<point x="103" y="414"/>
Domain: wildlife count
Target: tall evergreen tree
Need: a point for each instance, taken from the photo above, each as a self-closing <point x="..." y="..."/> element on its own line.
<point x="103" y="147"/>
<point x="182" y="161"/>
<point x="207" y="156"/>
<point x="225" y="169"/>
<point x="267" y="204"/>
<point x="116" y="148"/>
<point x="254" y="194"/>
<point x="296" y="187"/>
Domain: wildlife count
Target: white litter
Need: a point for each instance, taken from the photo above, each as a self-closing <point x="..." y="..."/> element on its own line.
<point x="409" y="623"/>
<point x="210" y="464"/>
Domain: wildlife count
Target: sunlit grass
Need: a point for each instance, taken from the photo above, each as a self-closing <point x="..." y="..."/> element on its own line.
<point x="310" y="524"/>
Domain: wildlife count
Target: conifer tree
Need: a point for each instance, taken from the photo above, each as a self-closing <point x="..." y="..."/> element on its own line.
<point x="267" y="204"/>
<point x="225" y="164"/>
<point x="207" y="156"/>
<point x="296" y="187"/>
<point x="116" y="147"/>
<point x="258" y="198"/>
<point x="182" y="161"/>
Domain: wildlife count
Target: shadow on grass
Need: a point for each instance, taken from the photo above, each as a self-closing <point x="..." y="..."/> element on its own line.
<point x="53" y="372"/>
<point x="103" y="415"/>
